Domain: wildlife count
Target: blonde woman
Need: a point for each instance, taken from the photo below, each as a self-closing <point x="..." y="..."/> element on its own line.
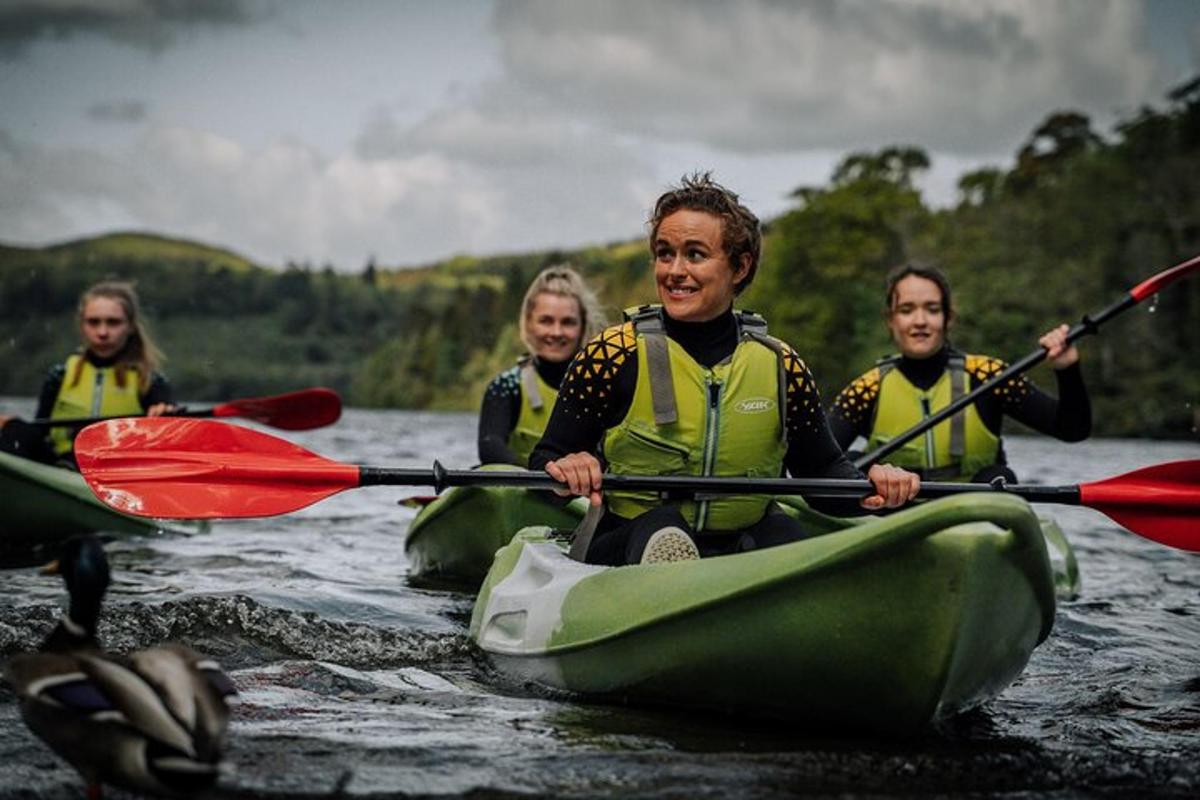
<point x="559" y="313"/>
<point x="115" y="371"/>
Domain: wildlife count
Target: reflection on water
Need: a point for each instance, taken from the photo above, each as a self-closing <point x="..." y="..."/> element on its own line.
<point x="354" y="681"/>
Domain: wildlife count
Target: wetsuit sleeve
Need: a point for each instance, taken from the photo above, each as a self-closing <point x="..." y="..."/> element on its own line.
<point x="812" y="451"/>
<point x="852" y="410"/>
<point x="595" y="395"/>
<point x="49" y="393"/>
<point x="497" y="418"/>
<point x="1067" y="417"/>
<point x="159" y="391"/>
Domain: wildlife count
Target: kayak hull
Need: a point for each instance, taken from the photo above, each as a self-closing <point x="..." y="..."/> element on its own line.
<point x="888" y="625"/>
<point x="43" y="505"/>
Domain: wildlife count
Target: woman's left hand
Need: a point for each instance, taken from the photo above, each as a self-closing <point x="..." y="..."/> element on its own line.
<point x="893" y="487"/>
<point x="1060" y="354"/>
<point x="161" y="409"/>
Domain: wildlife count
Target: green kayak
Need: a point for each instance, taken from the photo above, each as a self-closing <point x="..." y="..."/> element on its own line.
<point x="455" y="537"/>
<point x="43" y="505"/>
<point x="874" y="624"/>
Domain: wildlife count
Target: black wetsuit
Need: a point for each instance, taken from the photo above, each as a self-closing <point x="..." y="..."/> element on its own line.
<point x="1069" y="417"/>
<point x="502" y="407"/>
<point x="596" y="395"/>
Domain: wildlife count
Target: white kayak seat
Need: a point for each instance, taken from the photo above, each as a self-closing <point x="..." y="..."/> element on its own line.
<point x="524" y="609"/>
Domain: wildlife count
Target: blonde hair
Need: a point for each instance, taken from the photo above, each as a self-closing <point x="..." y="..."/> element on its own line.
<point x="564" y="281"/>
<point x="139" y="351"/>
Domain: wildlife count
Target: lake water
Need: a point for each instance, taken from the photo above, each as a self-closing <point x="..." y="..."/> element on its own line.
<point x="355" y="683"/>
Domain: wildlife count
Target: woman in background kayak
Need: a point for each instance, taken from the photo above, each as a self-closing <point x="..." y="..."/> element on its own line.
<point x="558" y="314"/>
<point x="113" y="374"/>
<point x="928" y="374"/>
<point x="692" y="387"/>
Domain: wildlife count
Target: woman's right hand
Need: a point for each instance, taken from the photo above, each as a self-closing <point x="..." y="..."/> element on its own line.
<point x="580" y="472"/>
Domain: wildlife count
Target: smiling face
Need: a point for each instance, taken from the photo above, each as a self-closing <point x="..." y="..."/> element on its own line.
<point x="554" y="327"/>
<point x="692" y="273"/>
<point x="918" y="317"/>
<point x="105" y="326"/>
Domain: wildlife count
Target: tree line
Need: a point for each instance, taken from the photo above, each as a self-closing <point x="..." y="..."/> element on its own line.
<point x="1076" y="220"/>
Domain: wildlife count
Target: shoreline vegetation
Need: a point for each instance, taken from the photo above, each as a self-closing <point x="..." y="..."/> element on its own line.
<point x="1074" y="222"/>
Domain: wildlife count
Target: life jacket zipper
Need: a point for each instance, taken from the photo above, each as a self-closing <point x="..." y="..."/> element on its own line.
<point x="97" y="393"/>
<point x="712" y="426"/>
<point x="929" y="451"/>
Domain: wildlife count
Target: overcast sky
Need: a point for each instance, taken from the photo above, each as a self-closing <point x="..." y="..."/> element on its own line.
<point x="412" y="131"/>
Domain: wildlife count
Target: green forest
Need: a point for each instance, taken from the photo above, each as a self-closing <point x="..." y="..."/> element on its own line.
<point x="1077" y="219"/>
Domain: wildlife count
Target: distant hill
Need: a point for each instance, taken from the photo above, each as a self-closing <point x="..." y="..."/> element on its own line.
<point x="125" y="247"/>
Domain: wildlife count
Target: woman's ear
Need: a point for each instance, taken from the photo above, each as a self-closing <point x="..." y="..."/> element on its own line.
<point x="743" y="270"/>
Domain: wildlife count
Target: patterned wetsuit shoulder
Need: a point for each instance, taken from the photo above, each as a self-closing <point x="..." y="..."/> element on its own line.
<point x="506" y="384"/>
<point x="856" y="401"/>
<point x="588" y="386"/>
<point x="983" y="368"/>
<point x="803" y="398"/>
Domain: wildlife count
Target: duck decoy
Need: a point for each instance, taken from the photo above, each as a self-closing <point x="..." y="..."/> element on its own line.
<point x="153" y="721"/>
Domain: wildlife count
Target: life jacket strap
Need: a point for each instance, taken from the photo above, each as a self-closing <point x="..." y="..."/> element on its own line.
<point x="581" y="537"/>
<point x="648" y="322"/>
<point x="752" y="326"/>
<point x="958" y="423"/>
<point x="529" y="383"/>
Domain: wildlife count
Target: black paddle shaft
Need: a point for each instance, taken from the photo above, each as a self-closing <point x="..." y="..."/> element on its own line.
<point x="1088" y="325"/>
<point x="81" y="422"/>
<point x="680" y="486"/>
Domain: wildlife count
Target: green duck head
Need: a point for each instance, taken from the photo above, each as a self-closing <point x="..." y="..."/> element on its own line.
<point x="84" y="569"/>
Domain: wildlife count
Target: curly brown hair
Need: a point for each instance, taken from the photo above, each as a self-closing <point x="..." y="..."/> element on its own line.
<point x="741" y="233"/>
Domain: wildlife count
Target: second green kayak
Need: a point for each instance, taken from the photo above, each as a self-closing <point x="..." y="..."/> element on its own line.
<point x="455" y="537"/>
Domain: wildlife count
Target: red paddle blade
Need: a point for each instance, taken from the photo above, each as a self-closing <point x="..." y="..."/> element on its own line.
<point x="174" y="468"/>
<point x="1152" y="284"/>
<point x="294" y="411"/>
<point x="1161" y="502"/>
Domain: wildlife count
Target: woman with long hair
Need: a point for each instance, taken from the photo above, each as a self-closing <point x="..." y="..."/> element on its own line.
<point x="114" y="373"/>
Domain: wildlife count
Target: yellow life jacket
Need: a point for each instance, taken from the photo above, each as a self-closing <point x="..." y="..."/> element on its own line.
<point x="537" y="401"/>
<point x="95" y="394"/>
<point x="954" y="449"/>
<point x="686" y="419"/>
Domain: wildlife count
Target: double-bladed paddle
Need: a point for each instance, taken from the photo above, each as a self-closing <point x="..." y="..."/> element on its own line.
<point x="190" y="469"/>
<point x="1089" y="324"/>
<point x="294" y="411"/>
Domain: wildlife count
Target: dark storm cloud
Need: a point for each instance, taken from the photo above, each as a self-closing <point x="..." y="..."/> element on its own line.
<point x="149" y="24"/>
